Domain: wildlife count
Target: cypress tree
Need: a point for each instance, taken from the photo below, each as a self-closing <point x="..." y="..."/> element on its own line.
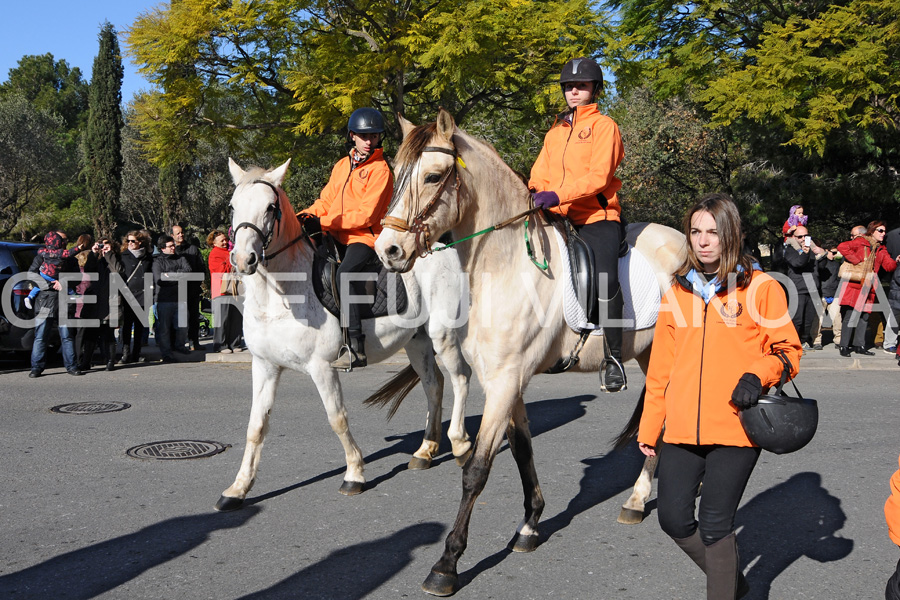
<point x="103" y="135"/>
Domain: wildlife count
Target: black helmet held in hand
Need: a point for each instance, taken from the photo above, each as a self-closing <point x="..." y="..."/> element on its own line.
<point x="779" y="423"/>
<point x="365" y="120"/>
<point x="582" y="69"/>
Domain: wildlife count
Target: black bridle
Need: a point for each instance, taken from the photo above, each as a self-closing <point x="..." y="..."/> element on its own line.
<point x="266" y="237"/>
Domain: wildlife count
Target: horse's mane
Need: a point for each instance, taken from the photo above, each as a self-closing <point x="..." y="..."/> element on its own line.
<point x="414" y="143"/>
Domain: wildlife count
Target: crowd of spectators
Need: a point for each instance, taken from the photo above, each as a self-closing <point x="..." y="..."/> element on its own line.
<point x="101" y="296"/>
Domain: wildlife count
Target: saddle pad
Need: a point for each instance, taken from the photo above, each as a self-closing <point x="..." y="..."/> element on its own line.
<point x="321" y="277"/>
<point x="639" y="286"/>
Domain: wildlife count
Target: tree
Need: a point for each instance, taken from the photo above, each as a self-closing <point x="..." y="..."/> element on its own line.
<point x="299" y="67"/>
<point x="103" y="135"/>
<point x="50" y="85"/>
<point x="31" y="156"/>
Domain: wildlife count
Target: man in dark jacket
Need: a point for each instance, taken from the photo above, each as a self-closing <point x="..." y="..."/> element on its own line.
<point x="168" y="270"/>
<point x="191" y="252"/>
<point x="801" y="270"/>
<point x="892" y="244"/>
<point x="47" y="306"/>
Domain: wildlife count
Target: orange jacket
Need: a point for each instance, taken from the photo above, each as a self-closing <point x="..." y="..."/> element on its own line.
<point x="892" y="509"/>
<point x="578" y="162"/>
<point x="353" y="203"/>
<point x="700" y="350"/>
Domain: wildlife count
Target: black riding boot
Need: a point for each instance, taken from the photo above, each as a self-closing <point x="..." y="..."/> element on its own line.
<point x="352" y="355"/>
<point x="694" y="547"/>
<point x="612" y="373"/>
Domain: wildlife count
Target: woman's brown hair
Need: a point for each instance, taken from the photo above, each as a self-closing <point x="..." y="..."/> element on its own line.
<point x="138" y="235"/>
<point x="212" y="237"/>
<point x="870" y="229"/>
<point x="731" y="239"/>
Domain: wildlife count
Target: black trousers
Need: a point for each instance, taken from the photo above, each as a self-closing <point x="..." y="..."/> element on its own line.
<point x="724" y="472"/>
<point x="892" y="592"/>
<point x="605" y="239"/>
<point x="853" y="336"/>
<point x="354" y="258"/>
<point x="193" y="312"/>
<point x="805" y="317"/>
<point x="228" y="322"/>
<point x="129" y="320"/>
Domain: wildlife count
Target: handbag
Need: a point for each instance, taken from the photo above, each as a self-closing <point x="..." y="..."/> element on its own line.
<point x="231" y="285"/>
<point x="860" y="271"/>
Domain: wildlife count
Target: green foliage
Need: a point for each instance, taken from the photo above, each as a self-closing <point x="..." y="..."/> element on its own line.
<point x="50" y="86"/>
<point x="103" y="134"/>
<point x="259" y="77"/>
<point x="32" y="158"/>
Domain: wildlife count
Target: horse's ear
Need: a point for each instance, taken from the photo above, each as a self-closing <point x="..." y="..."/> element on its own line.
<point x="405" y="126"/>
<point x="276" y="176"/>
<point x="237" y="173"/>
<point x="445" y="125"/>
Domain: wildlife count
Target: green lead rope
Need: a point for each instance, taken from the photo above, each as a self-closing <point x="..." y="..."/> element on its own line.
<point x="528" y="246"/>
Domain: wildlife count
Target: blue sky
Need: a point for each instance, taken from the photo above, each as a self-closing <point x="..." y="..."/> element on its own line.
<point x="67" y="30"/>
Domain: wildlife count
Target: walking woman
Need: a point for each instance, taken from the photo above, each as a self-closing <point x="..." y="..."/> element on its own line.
<point x="574" y="176"/>
<point x="720" y="329"/>
<point x="892" y="515"/>
<point x="858" y="298"/>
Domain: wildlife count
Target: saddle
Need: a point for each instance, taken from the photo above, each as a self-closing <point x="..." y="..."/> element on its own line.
<point x="387" y="288"/>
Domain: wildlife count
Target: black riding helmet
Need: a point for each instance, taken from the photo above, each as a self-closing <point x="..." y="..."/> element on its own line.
<point x="780" y="423"/>
<point x="581" y="69"/>
<point x="365" y="120"/>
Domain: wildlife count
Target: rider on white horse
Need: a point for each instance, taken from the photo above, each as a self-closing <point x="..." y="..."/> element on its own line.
<point x="574" y="176"/>
<point x="350" y="208"/>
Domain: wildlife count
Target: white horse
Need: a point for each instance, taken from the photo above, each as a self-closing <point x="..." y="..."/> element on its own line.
<point x="286" y="327"/>
<point x="448" y="180"/>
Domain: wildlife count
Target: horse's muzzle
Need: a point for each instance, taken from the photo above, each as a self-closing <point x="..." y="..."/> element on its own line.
<point x="244" y="262"/>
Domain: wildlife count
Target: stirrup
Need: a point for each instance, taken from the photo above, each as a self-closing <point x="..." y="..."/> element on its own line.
<point x="347" y="359"/>
<point x="611" y="387"/>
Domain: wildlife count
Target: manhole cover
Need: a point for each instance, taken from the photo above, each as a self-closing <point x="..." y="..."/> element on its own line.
<point x="89" y="408"/>
<point x="176" y="450"/>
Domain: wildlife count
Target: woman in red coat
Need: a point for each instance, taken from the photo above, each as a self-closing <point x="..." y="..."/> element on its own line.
<point x="857" y="298"/>
<point x="227" y="318"/>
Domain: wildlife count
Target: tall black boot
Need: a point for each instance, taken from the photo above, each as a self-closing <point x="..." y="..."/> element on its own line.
<point x="723" y="569"/>
<point x="353" y="354"/>
<point x="694" y="547"/>
<point x="612" y="373"/>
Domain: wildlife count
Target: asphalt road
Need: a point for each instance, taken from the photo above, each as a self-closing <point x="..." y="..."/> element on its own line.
<point x="81" y="519"/>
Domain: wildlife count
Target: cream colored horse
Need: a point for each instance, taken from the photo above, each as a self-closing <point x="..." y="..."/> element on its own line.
<point x="286" y="327"/>
<point x="447" y="180"/>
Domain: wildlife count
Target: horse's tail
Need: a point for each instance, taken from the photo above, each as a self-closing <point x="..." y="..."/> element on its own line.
<point x="631" y="429"/>
<point x="394" y="391"/>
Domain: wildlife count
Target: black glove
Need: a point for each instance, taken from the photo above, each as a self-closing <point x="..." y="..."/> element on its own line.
<point x="746" y="392"/>
<point x="310" y="224"/>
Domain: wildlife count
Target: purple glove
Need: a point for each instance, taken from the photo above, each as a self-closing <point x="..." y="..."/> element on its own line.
<point x="546" y="200"/>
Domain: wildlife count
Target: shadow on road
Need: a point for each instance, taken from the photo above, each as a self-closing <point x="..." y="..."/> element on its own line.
<point x="96" y="569"/>
<point x="794" y="519"/>
<point x="354" y="572"/>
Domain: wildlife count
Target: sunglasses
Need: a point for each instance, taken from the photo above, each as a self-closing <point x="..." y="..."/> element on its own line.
<point x="132" y="241"/>
<point x="881" y="230"/>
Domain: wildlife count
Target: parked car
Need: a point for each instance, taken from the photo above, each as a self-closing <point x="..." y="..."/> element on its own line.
<point x="16" y="257"/>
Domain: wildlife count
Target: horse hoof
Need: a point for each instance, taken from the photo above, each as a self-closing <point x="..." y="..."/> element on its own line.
<point x="440" y="584"/>
<point x="462" y="460"/>
<point x="419" y="464"/>
<point x="227" y="504"/>
<point x="629" y="516"/>
<point x="352" y="488"/>
<point x="524" y="543"/>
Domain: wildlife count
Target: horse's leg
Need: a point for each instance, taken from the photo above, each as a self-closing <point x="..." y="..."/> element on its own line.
<point x="421" y="357"/>
<point x="449" y="350"/>
<point x="329" y="386"/>
<point x="265" y="377"/>
<point x="632" y="511"/>
<point x="519" y="437"/>
<point x="444" y="579"/>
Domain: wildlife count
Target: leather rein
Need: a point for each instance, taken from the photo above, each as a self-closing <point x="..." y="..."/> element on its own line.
<point x="419" y="227"/>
